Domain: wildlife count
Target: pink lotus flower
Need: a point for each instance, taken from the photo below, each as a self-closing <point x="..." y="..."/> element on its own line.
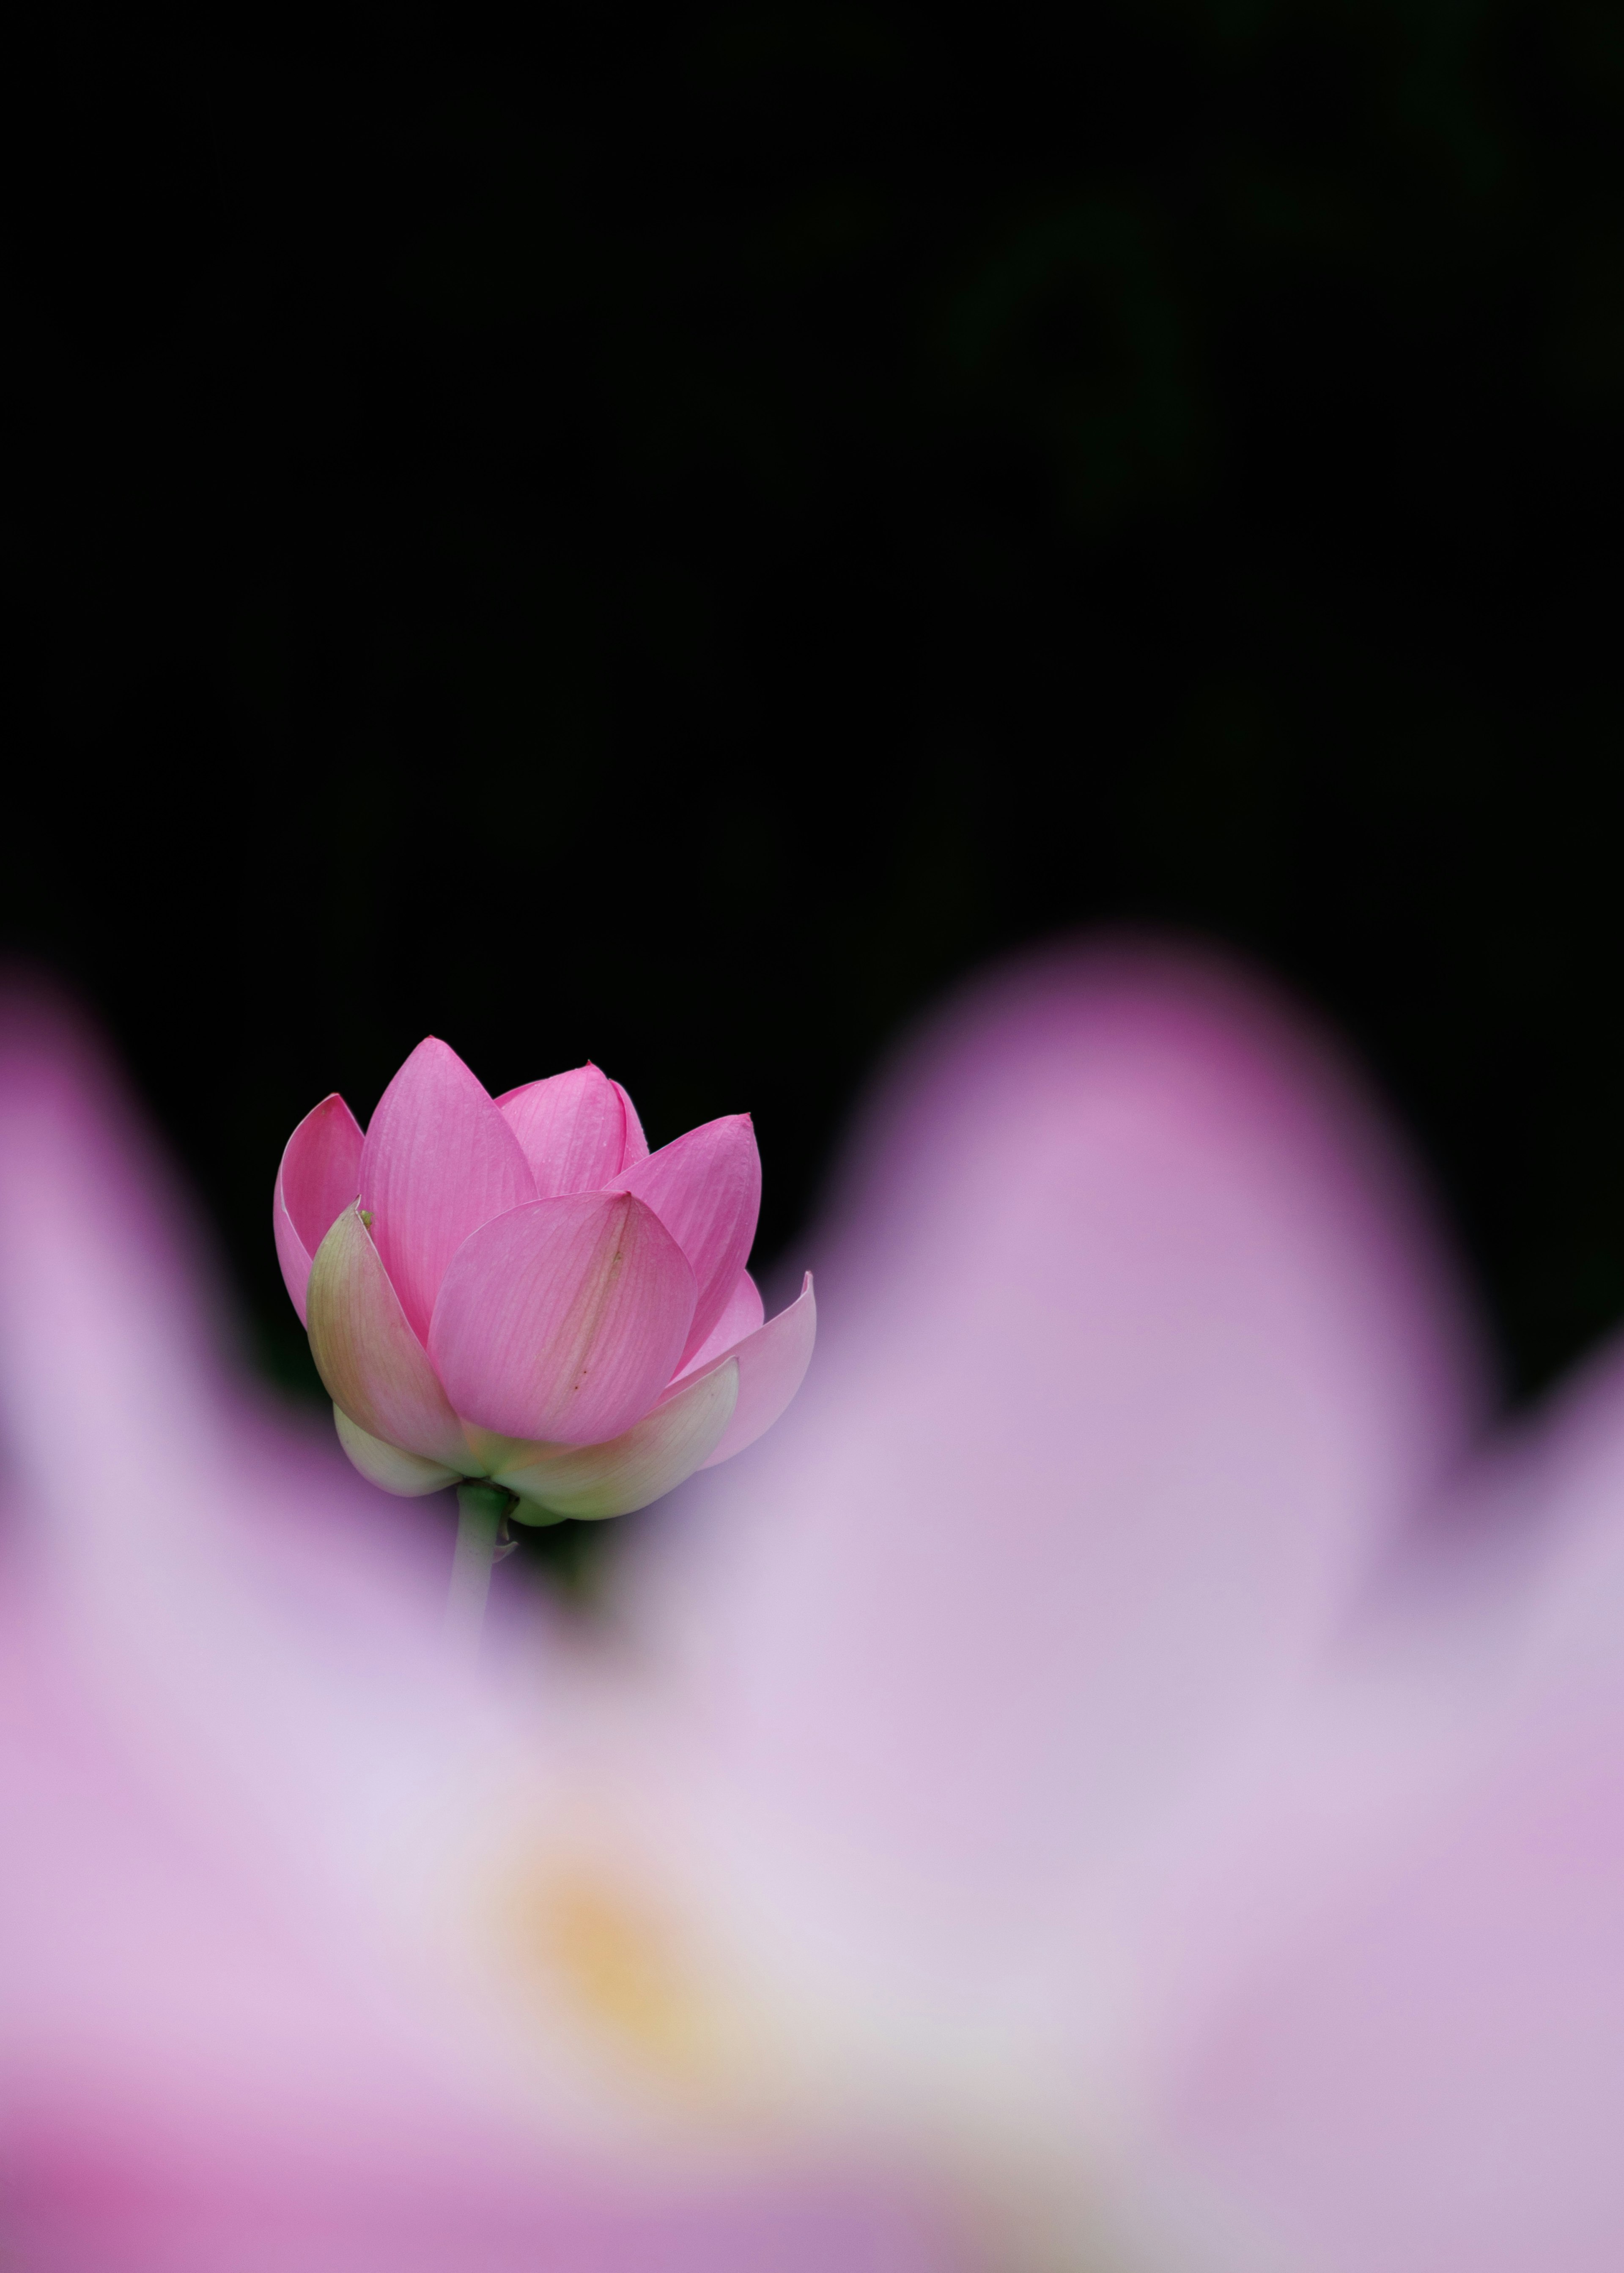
<point x="519" y="1290"/>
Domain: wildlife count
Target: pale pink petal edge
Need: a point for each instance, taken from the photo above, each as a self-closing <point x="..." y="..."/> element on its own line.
<point x="772" y="1365"/>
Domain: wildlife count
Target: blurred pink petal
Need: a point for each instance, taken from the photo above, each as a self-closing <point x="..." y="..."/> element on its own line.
<point x="1138" y="1353"/>
<point x="562" y="1321"/>
<point x="438" y="1161"/>
<point x="706" y="1190"/>
<point x="574" y="1127"/>
<point x="190" y="2081"/>
<point x="651" y="1458"/>
<point x="1417" y="2067"/>
<point x="372" y="1364"/>
<point x="1428" y="2075"/>
<point x="318" y="1178"/>
<point x="772" y="1362"/>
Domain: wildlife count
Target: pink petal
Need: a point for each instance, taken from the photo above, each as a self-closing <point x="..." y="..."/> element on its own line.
<point x="706" y="1190"/>
<point x="772" y="1363"/>
<point x="1418" y="2061"/>
<point x="1138" y="1350"/>
<point x="370" y="1360"/>
<point x="636" y="1142"/>
<point x="562" y="1321"/>
<point x="438" y="1161"/>
<point x="319" y="1175"/>
<point x="573" y="1128"/>
<point x="744" y="1313"/>
<point x="320" y="1171"/>
<point x="404" y="1474"/>
<point x="651" y="1458"/>
<point x="1426" y="2079"/>
<point x="291" y="1255"/>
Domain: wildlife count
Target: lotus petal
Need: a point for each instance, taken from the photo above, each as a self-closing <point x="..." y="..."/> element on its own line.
<point x="706" y="1190"/>
<point x="319" y="1175"/>
<point x="1138" y="1353"/>
<point x="651" y="1458"/>
<point x="562" y="1321"/>
<point x="744" y="1313"/>
<point x="439" y="1160"/>
<point x="1376" y="2032"/>
<point x="772" y="1363"/>
<point x="573" y="1128"/>
<point x="404" y="1474"/>
<point x="291" y="1254"/>
<point x="371" y="1362"/>
<point x="636" y="1142"/>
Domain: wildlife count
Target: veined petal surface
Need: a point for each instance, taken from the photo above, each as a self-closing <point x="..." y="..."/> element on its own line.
<point x="772" y="1362"/>
<point x="744" y="1313"/>
<point x="404" y="1474"/>
<point x="706" y="1190"/>
<point x="562" y="1321"/>
<point x="291" y="1255"/>
<point x="574" y="1129"/>
<point x="636" y="1142"/>
<point x="319" y="1176"/>
<point x="368" y="1357"/>
<point x="651" y="1458"/>
<point x="438" y="1161"/>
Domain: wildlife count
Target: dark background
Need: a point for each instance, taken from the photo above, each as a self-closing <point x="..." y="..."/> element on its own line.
<point x="669" y="535"/>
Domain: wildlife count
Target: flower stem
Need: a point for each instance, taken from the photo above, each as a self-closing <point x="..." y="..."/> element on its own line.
<point x="480" y="1510"/>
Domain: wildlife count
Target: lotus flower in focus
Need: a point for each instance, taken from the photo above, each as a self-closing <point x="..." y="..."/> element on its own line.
<point x="1129" y="1776"/>
<point x="517" y="1289"/>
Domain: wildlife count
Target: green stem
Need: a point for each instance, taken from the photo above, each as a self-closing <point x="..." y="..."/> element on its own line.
<point x="480" y="1510"/>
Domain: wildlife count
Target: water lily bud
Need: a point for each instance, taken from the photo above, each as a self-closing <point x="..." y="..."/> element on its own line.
<point x="518" y="1289"/>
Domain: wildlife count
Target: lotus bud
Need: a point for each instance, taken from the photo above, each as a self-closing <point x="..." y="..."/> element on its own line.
<point x="517" y="1292"/>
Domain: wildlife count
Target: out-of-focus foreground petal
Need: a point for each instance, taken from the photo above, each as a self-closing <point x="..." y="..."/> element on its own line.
<point x="577" y="1129"/>
<point x="318" y="1179"/>
<point x="1421" y="2068"/>
<point x="439" y="1160"/>
<point x="263" y="1911"/>
<point x="562" y="1321"/>
<point x="1138" y="1353"/>
<point x="187" y="2086"/>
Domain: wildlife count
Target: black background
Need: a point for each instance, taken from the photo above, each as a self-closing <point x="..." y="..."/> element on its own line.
<point x="667" y="536"/>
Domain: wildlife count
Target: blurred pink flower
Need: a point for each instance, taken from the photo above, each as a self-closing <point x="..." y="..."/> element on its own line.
<point x="1115" y="1779"/>
<point x="519" y="1290"/>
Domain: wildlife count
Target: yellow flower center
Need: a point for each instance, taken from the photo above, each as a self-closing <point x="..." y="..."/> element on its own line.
<point x="617" y="1966"/>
